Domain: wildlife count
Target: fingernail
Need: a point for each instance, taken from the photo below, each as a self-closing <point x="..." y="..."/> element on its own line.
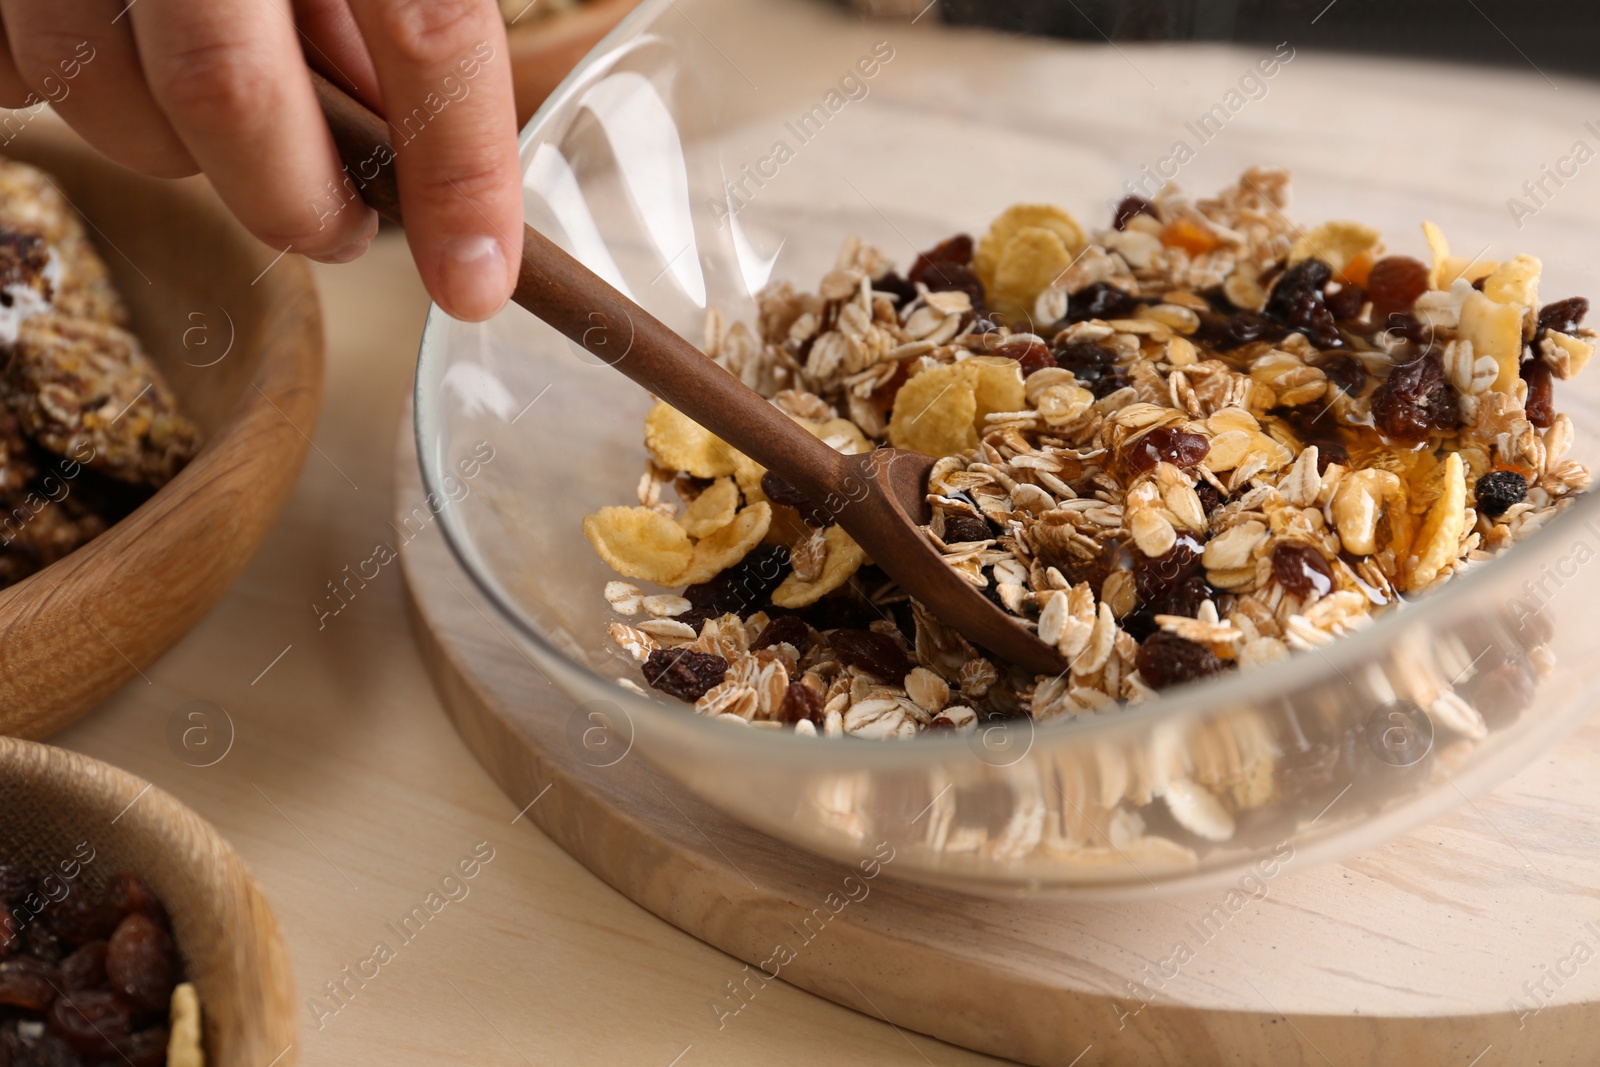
<point x="353" y="250"/>
<point x="472" y="277"/>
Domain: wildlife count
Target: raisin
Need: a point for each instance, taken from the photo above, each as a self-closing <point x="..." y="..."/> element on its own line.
<point x="1094" y="366"/>
<point x="946" y="268"/>
<point x="1245" y="327"/>
<point x="1344" y="372"/>
<point x="15" y="885"/>
<point x="41" y="944"/>
<point x="683" y="673"/>
<point x="1416" y="399"/>
<point x="141" y="961"/>
<point x="1301" y="569"/>
<point x="27" y="983"/>
<point x="1330" y="452"/>
<point x="785" y="630"/>
<point x="1498" y="491"/>
<point x="1186" y="599"/>
<point x="895" y="285"/>
<point x="745" y="586"/>
<point x="957" y="249"/>
<point x="1394" y="285"/>
<point x="48" y="1050"/>
<point x="1540" y="405"/>
<point x="1165" y="444"/>
<point x="1032" y="355"/>
<point x="92" y="1022"/>
<point x="127" y="893"/>
<point x="1157" y="576"/>
<point x="145" y="1048"/>
<point x="76" y="919"/>
<point x="1130" y="207"/>
<point x="1166" y="660"/>
<point x="1297" y="302"/>
<point x="959" y="528"/>
<point x="1347" y="303"/>
<point x="800" y="701"/>
<point x="1399" y="419"/>
<point x="781" y="492"/>
<point x="1114" y="555"/>
<point x="877" y="654"/>
<point x="1100" y="300"/>
<point x="1210" y="498"/>
<point x="1563" y="316"/>
<point x="85" y="968"/>
<point x="1172" y="584"/>
<point x="1415" y="379"/>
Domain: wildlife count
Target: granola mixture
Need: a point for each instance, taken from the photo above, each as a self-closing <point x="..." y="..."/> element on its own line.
<point x="88" y="426"/>
<point x="1200" y="440"/>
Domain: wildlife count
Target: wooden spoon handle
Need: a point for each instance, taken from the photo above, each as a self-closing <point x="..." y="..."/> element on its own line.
<point x="573" y="299"/>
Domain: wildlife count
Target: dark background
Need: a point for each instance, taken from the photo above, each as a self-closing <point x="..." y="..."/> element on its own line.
<point x="1548" y="34"/>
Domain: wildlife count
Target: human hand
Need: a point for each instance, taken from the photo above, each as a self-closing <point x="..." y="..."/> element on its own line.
<point x="173" y="87"/>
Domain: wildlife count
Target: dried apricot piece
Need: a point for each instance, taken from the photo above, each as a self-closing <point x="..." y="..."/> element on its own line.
<point x="1185" y="233"/>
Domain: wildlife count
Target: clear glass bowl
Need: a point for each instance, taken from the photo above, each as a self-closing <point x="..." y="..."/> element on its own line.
<point x="658" y="164"/>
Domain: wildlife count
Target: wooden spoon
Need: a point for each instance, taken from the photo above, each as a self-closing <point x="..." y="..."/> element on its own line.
<point x="879" y="497"/>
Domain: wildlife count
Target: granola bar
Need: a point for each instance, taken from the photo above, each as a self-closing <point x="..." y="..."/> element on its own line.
<point x="72" y="374"/>
<point x="87" y="421"/>
<point x="84" y="387"/>
<point x="1199" y="440"/>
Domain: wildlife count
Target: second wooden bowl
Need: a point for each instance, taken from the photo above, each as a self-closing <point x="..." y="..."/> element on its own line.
<point x="60" y="806"/>
<point x="544" y="50"/>
<point x="238" y="333"/>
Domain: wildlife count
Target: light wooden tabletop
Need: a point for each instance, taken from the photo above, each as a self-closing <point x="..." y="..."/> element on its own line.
<point x="350" y="796"/>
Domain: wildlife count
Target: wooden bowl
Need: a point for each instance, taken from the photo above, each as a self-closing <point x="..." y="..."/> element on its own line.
<point x="55" y="801"/>
<point x="543" y="51"/>
<point x="239" y="336"/>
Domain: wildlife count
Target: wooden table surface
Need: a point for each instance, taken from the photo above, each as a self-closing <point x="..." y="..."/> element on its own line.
<point x="350" y="796"/>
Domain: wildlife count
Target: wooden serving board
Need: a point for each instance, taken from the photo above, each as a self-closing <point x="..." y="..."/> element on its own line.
<point x="1470" y="942"/>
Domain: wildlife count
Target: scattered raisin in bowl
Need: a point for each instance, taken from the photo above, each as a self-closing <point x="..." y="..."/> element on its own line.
<point x="85" y="978"/>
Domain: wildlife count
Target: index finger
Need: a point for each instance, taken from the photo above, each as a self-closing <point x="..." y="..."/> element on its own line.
<point x="446" y="84"/>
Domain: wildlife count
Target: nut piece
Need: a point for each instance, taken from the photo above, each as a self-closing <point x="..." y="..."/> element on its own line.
<point x="1439" y="540"/>
<point x="183" y="1040"/>
<point x="1361" y="499"/>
